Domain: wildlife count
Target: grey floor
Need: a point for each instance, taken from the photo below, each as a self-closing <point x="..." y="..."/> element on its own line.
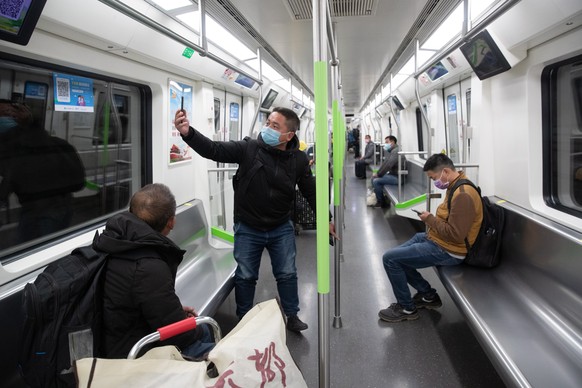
<point x="437" y="350"/>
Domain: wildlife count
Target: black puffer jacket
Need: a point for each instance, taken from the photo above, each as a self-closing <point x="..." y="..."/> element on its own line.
<point x="265" y="180"/>
<point x="139" y="295"/>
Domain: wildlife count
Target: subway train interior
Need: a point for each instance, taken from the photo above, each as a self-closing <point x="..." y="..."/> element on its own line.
<point x="494" y="84"/>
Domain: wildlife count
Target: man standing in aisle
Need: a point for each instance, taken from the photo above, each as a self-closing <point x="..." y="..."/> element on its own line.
<point x="269" y="169"/>
<point x="442" y="244"/>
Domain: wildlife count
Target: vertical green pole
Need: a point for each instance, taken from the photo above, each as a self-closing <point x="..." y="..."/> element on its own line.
<point x="337" y="151"/>
<point x="322" y="185"/>
<point x="322" y="176"/>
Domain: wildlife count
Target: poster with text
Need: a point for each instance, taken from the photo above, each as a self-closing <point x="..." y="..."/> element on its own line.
<point x="180" y="96"/>
<point x="73" y="93"/>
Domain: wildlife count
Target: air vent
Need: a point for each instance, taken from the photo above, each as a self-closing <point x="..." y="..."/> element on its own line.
<point x="301" y="9"/>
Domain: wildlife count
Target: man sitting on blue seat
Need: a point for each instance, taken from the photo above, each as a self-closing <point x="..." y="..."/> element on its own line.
<point x="388" y="172"/>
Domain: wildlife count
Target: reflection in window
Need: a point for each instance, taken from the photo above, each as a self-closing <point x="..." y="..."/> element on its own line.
<point x="61" y="171"/>
<point x="562" y="102"/>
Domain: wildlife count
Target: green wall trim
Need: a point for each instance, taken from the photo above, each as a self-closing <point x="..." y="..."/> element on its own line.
<point x="222" y="234"/>
<point x="411" y="202"/>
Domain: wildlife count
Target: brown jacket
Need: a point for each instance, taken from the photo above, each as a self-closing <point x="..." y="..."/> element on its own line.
<point x="450" y="226"/>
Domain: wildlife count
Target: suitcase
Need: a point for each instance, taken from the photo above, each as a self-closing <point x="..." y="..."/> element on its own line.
<point x="303" y="216"/>
<point x="360" y="169"/>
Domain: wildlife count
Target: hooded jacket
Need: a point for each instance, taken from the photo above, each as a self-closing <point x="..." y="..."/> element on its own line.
<point x="265" y="180"/>
<point x="138" y="294"/>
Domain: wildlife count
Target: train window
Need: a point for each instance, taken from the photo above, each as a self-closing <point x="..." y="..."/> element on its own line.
<point x="63" y="169"/>
<point x="562" y="115"/>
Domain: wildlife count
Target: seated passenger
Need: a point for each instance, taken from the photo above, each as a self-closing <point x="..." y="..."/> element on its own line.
<point x="388" y="172"/>
<point x="41" y="170"/>
<point x="363" y="162"/>
<point x="139" y="295"/>
<point x="442" y="244"/>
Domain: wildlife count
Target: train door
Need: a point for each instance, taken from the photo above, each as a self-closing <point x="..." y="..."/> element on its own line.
<point x="227" y="126"/>
<point x="457" y="99"/>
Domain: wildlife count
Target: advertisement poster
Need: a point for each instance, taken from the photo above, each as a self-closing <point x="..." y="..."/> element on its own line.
<point x="73" y="93"/>
<point x="180" y="93"/>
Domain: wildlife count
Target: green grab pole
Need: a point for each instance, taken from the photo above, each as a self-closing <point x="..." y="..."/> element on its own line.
<point x="337" y="154"/>
<point x="343" y="137"/>
<point x="321" y="176"/>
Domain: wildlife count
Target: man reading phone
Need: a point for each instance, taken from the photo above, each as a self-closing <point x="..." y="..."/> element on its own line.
<point x="442" y="244"/>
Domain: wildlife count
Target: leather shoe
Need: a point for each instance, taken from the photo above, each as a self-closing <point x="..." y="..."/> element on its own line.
<point x="295" y="324"/>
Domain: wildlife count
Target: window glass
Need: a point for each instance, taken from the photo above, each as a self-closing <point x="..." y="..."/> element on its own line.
<point x="74" y="158"/>
<point x="562" y="102"/>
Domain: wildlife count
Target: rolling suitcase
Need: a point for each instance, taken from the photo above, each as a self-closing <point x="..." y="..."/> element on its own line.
<point x="360" y="169"/>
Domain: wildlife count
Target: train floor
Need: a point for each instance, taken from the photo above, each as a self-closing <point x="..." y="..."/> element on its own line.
<point x="437" y="350"/>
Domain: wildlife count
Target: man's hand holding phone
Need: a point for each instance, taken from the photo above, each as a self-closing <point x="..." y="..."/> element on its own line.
<point x="181" y="122"/>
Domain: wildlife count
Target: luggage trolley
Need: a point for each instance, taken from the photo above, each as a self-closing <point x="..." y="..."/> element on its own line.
<point x="174" y="329"/>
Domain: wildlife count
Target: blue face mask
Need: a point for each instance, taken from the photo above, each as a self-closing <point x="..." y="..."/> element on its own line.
<point x="6" y="124"/>
<point x="388" y="147"/>
<point x="270" y="136"/>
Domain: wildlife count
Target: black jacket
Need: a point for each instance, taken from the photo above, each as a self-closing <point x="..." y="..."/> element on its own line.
<point x="139" y="295"/>
<point x="265" y="180"/>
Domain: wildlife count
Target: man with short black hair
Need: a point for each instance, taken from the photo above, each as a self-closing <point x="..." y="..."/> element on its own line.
<point x="442" y="244"/>
<point x="388" y="172"/>
<point x="269" y="169"/>
<point x="138" y="293"/>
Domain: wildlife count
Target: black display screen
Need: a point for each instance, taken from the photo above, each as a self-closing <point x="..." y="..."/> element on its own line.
<point x="270" y="99"/>
<point x="18" y="19"/>
<point x="484" y="56"/>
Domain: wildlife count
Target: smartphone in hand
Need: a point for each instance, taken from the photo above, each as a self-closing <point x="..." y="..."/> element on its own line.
<point x="182" y="104"/>
<point x="416" y="211"/>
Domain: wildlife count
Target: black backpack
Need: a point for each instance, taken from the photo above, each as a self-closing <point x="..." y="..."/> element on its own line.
<point x="485" y="251"/>
<point x="63" y="318"/>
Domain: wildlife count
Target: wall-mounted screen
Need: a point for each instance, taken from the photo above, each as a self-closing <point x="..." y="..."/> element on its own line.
<point x="397" y="103"/>
<point x="436" y="71"/>
<point x="269" y="99"/>
<point x="18" y="19"/>
<point x="484" y="56"/>
<point x="298" y="109"/>
<point x="244" y="81"/>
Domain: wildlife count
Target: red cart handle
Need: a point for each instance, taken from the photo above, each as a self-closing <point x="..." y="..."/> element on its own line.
<point x="177" y="328"/>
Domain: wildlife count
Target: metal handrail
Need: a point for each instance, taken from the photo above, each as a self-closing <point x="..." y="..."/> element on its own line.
<point x="154" y="25"/>
<point x="156" y="336"/>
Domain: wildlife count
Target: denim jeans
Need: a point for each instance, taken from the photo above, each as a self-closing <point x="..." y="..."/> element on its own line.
<point x="249" y="244"/>
<point x="401" y="263"/>
<point x="379" y="183"/>
<point x="201" y="346"/>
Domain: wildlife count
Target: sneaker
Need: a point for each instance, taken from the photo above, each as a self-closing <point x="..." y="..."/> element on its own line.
<point x="295" y="324"/>
<point x="424" y="302"/>
<point x="396" y="313"/>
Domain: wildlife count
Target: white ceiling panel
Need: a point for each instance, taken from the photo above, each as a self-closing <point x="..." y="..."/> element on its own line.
<point x="367" y="39"/>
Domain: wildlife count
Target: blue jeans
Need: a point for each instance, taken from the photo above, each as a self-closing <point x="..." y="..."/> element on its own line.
<point x="249" y="244"/>
<point x="401" y="263"/>
<point x="379" y="183"/>
<point x="201" y="346"/>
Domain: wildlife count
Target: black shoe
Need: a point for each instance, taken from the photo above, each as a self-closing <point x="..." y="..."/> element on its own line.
<point x="396" y="313"/>
<point x="382" y="204"/>
<point x="423" y="301"/>
<point x="295" y="324"/>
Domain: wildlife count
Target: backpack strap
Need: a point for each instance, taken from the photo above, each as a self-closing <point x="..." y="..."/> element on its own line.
<point x="458" y="183"/>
